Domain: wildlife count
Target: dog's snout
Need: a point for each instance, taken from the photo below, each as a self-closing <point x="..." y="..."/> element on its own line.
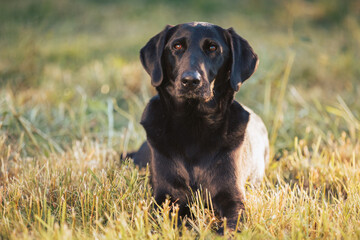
<point x="190" y="82"/>
<point x="190" y="79"/>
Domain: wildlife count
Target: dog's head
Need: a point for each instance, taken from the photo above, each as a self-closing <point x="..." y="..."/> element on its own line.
<point x="190" y="59"/>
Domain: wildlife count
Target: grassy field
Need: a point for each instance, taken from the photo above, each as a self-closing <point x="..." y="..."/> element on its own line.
<point x="72" y="91"/>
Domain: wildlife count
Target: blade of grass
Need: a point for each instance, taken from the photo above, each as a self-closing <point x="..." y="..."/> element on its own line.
<point x="280" y="101"/>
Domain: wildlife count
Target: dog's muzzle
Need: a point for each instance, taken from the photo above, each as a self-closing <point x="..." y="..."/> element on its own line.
<point x="190" y="80"/>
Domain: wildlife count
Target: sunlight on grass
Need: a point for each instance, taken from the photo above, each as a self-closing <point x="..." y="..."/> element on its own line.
<point x="86" y="192"/>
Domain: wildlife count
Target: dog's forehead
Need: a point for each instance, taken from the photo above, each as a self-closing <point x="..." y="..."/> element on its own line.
<point x="199" y="24"/>
<point x="198" y="29"/>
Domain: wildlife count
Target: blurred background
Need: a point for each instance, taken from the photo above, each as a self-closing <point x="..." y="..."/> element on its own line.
<point x="70" y="70"/>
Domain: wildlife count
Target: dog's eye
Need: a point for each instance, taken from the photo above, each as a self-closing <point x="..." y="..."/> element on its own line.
<point x="212" y="48"/>
<point x="177" y="46"/>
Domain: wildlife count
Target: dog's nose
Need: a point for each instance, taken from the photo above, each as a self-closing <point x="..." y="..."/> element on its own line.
<point x="190" y="79"/>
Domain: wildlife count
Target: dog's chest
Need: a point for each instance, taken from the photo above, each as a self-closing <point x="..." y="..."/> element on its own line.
<point x="194" y="144"/>
<point x="191" y="151"/>
<point x="197" y="170"/>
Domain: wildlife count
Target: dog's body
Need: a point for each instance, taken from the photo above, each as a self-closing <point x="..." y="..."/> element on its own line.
<point x="197" y="134"/>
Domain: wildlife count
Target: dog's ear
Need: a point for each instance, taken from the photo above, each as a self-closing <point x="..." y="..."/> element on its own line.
<point x="244" y="60"/>
<point x="150" y="56"/>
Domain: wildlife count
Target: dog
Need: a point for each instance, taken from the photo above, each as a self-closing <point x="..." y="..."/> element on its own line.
<point x="198" y="136"/>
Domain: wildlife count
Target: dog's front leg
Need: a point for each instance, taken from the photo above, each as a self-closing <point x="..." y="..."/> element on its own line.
<point x="229" y="204"/>
<point x="170" y="180"/>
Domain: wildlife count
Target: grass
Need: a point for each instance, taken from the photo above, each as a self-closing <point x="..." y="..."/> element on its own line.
<point x="72" y="91"/>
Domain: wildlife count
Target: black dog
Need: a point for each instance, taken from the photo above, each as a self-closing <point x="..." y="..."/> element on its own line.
<point x="197" y="134"/>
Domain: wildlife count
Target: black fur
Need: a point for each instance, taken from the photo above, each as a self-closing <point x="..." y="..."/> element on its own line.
<point x="196" y="132"/>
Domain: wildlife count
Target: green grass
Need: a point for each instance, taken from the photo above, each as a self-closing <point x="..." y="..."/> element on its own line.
<point x="72" y="91"/>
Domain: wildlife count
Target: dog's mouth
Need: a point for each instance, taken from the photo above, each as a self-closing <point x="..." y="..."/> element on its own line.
<point x="203" y="94"/>
<point x="190" y="95"/>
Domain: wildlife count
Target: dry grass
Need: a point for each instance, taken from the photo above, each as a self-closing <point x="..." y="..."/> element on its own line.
<point x="85" y="192"/>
